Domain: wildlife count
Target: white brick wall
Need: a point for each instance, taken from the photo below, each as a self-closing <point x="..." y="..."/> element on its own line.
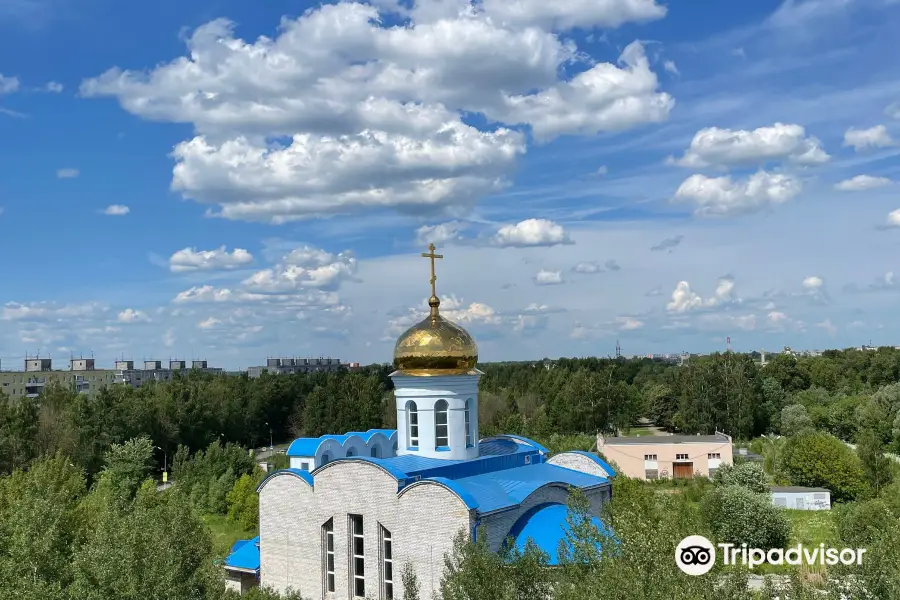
<point x="577" y="462"/>
<point x="422" y="521"/>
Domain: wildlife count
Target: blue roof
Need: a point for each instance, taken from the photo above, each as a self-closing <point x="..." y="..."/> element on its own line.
<point x="603" y="464"/>
<point x="310" y="446"/>
<point x="244" y="555"/>
<point x="546" y="527"/>
<point x="508" y="488"/>
<point x="304" y="475"/>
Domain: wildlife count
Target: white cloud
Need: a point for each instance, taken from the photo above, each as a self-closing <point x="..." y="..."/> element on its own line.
<point x="722" y="196"/>
<point x="374" y="113"/>
<point x="685" y="300"/>
<point x="304" y="267"/>
<point x="893" y="218"/>
<point x="168" y="338"/>
<point x="813" y="283"/>
<point x="667" y="244"/>
<point x="210" y="323"/>
<point x="439" y="234"/>
<point x="862" y="182"/>
<point x="629" y="323"/>
<point x="670" y="67"/>
<point x="54" y="87"/>
<point x="715" y="146"/>
<point x="874" y="137"/>
<point x="574" y="13"/>
<point x="544" y="277"/>
<point x="191" y="259"/>
<point x="893" y="110"/>
<point x="116" y="210"/>
<point x="828" y="326"/>
<point x="130" y="315"/>
<point x="587" y="268"/>
<point x="67" y="173"/>
<point x="8" y="85"/>
<point x="531" y="232"/>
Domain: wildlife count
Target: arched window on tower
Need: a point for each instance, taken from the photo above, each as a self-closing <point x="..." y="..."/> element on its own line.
<point x="468" y="424"/>
<point x="441" y="435"/>
<point x="412" y="424"/>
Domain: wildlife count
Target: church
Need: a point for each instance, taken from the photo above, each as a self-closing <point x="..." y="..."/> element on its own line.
<point x="354" y="508"/>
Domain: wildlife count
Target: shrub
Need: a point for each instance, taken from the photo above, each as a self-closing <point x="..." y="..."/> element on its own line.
<point x="747" y="475"/>
<point x="817" y="459"/>
<point x="739" y="516"/>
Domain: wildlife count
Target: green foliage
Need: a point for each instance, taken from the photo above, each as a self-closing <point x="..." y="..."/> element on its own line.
<point x="243" y="501"/>
<point x="128" y="465"/>
<point x="208" y="476"/>
<point x="794" y="419"/>
<point x="878" y="469"/>
<point x="409" y="582"/>
<point x="739" y="515"/>
<point x="817" y="459"/>
<point x="858" y="523"/>
<point x="747" y="475"/>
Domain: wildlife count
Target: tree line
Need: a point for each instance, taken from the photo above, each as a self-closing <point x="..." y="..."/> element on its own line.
<point x="841" y="392"/>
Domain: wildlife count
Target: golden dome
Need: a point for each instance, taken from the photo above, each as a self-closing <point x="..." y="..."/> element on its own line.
<point x="435" y="346"/>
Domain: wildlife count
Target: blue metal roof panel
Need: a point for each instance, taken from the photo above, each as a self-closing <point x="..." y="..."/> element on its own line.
<point x="508" y="488"/>
<point x="304" y="475"/>
<point x="245" y="557"/>
<point x="546" y="527"/>
<point x="304" y="447"/>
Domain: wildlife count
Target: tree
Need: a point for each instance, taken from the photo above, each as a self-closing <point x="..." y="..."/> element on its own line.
<point x="128" y="465"/>
<point x="748" y="475"/>
<point x="738" y="515"/>
<point x="878" y="469"/>
<point x="818" y="459"/>
<point x="794" y="419"/>
<point x="243" y="502"/>
<point x="409" y="582"/>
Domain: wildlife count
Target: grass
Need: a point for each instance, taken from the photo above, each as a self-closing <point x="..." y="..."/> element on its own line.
<point x="638" y="432"/>
<point x="810" y="528"/>
<point x="225" y="533"/>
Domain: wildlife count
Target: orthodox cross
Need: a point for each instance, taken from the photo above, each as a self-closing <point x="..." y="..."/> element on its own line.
<point x="430" y="254"/>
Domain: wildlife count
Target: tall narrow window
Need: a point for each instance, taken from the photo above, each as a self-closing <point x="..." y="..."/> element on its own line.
<point x="358" y="557"/>
<point x="468" y="424"/>
<point x="412" y="424"/>
<point x="441" y="438"/>
<point x="387" y="565"/>
<point x="328" y="531"/>
<point x="374" y="451"/>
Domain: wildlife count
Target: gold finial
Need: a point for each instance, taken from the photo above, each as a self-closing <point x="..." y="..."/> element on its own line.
<point x="434" y="301"/>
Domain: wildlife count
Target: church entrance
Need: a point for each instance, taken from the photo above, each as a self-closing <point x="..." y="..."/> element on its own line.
<point x="683" y="470"/>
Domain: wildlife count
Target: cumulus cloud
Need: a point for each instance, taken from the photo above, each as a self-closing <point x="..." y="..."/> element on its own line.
<point x="814" y="287"/>
<point x="685" y="300"/>
<point x="723" y="196"/>
<point x="892" y="110"/>
<point x="67" y="173"/>
<point x="338" y="113"/>
<point x="726" y="147"/>
<point x="53" y="87"/>
<point x="544" y="277"/>
<point x="893" y="219"/>
<point x="667" y="244"/>
<point x="828" y="326"/>
<point x="439" y="234"/>
<point x="885" y="282"/>
<point x="587" y="268"/>
<point x="628" y="323"/>
<point x="130" y="315"/>
<point x="531" y="232"/>
<point x="454" y="309"/>
<point x="210" y="323"/>
<point x="304" y="267"/>
<point x="191" y="259"/>
<point x="862" y="139"/>
<point x="8" y="85"/>
<point x="862" y="182"/>
<point x="116" y="210"/>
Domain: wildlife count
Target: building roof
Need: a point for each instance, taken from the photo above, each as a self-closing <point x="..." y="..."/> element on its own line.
<point x="508" y="488"/>
<point x="795" y="489"/>
<point x="310" y="446"/>
<point x="719" y="438"/>
<point x="546" y="527"/>
<point x="244" y="556"/>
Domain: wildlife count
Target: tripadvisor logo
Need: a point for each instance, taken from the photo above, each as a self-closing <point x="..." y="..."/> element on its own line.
<point x="696" y="555"/>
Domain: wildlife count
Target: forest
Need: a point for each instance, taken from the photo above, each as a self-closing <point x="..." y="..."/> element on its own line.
<point x="79" y="508"/>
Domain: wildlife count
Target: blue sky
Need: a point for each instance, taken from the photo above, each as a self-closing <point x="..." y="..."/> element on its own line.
<point x="236" y="180"/>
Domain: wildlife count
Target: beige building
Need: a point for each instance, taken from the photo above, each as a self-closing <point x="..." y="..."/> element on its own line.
<point x="664" y="456"/>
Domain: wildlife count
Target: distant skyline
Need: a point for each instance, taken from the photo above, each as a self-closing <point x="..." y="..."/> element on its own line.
<point x="227" y="181"/>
